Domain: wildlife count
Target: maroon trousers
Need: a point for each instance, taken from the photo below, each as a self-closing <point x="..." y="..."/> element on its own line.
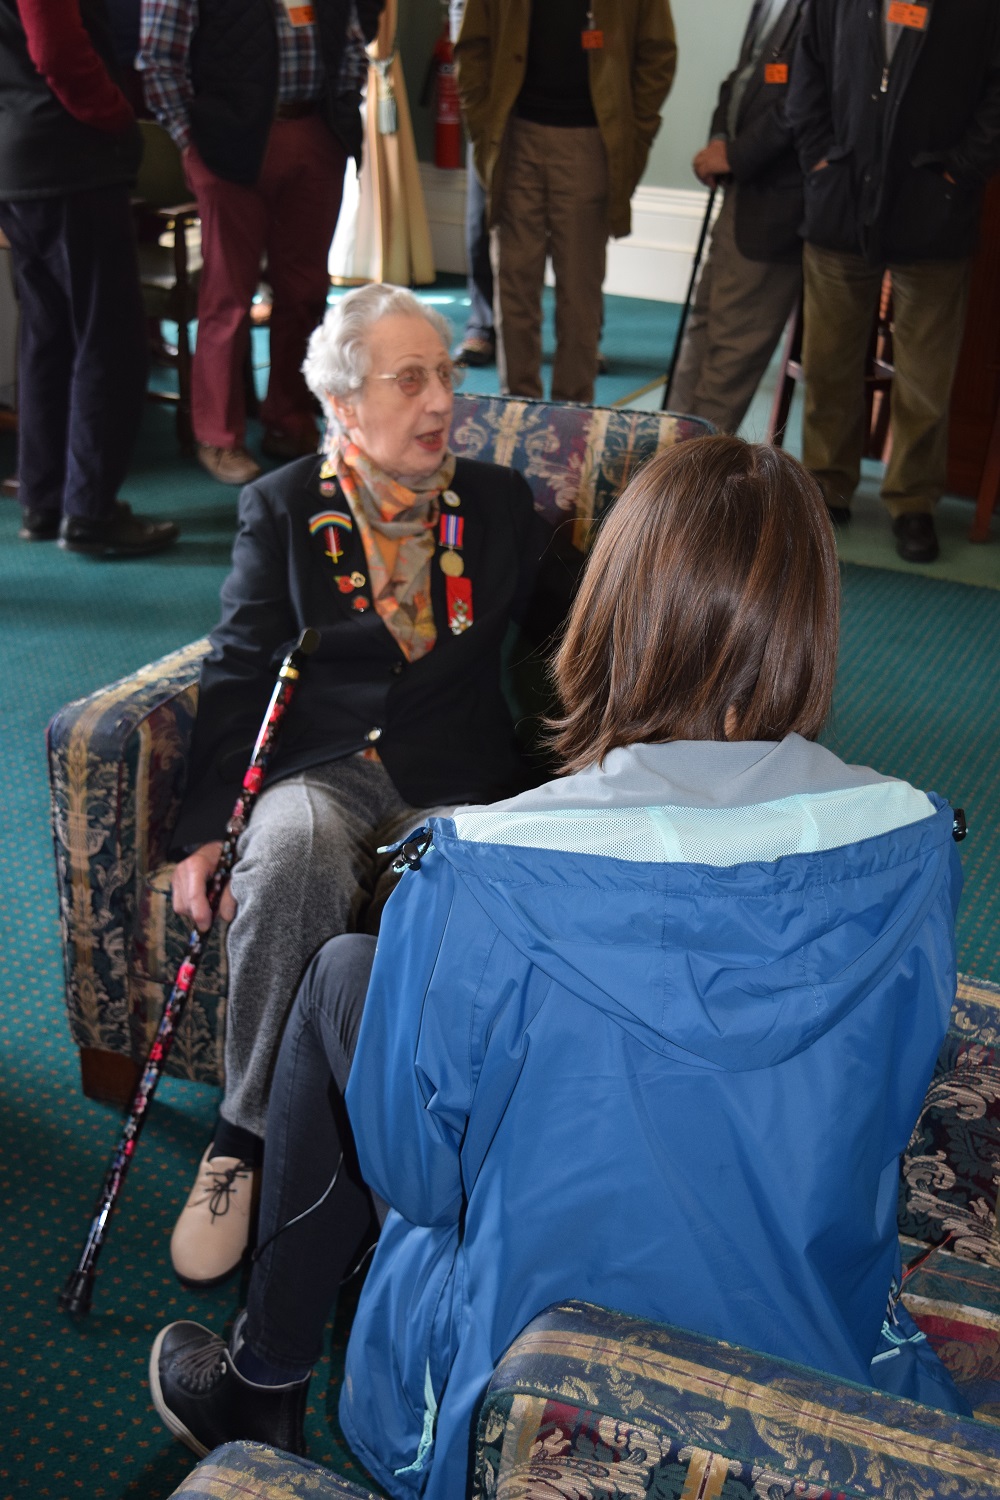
<point x="289" y="216"/>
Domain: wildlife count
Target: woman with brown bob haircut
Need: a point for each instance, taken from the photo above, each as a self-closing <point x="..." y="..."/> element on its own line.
<point x="652" y="1035"/>
<point x="709" y="609"/>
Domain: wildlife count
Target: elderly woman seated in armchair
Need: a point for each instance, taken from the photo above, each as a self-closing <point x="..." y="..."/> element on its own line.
<point x="411" y="564"/>
<point x="652" y="1035"/>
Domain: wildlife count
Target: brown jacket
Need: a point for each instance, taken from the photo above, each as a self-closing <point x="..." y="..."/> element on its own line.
<point x="630" y="76"/>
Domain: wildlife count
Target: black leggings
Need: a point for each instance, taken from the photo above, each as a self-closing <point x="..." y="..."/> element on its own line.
<point x="293" y="1286"/>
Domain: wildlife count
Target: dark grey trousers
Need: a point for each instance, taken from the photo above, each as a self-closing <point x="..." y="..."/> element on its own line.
<point x="307" y="870"/>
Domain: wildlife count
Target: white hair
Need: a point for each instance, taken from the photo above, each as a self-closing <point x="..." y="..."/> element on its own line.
<point x="337" y="360"/>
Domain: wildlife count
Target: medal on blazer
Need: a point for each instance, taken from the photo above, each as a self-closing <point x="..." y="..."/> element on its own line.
<point x="775" y="72"/>
<point x="458" y="594"/>
<point x="333" y="522"/>
<point x="348" y="582"/>
<point x="450" y="538"/>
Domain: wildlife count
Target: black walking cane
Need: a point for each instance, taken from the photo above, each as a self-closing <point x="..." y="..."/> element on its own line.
<point x="703" y="236"/>
<point x="76" y="1295"/>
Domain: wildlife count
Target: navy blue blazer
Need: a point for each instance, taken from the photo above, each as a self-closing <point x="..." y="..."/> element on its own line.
<point x="442" y="725"/>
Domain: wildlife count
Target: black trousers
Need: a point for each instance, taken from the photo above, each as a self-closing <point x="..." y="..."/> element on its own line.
<point x="82" y="349"/>
<point x="294" y="1282"/>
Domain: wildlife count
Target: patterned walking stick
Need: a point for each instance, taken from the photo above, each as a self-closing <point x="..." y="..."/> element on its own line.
<point x="76" y="1295"/>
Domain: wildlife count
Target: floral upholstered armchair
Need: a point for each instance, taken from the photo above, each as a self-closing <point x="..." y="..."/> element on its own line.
<point x="118" y="759"/>
<point x="589" y="1404"/>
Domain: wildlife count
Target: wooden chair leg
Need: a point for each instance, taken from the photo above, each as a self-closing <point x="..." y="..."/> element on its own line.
<point x="185" y="428"/>
<point x="108" y="1076"/>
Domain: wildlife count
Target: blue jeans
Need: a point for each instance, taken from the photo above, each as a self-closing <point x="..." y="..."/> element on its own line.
<point x="294" y="1282"/>
<point x="477" y="250"/>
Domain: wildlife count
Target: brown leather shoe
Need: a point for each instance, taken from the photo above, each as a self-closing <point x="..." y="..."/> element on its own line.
<point x="213" y="1231"/>
<point x="228" y="465"/>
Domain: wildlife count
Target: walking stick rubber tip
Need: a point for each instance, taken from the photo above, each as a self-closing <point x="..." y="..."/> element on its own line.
<point x="76" y="1295"/>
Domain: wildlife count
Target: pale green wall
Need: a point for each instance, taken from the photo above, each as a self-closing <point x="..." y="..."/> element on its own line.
<point x="708" y="38"/>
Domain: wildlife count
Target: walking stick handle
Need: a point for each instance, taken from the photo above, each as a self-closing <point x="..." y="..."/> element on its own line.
<point x="76" y="1296"/>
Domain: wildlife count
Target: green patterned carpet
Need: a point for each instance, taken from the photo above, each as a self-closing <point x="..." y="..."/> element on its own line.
<point x="918" y="696"/>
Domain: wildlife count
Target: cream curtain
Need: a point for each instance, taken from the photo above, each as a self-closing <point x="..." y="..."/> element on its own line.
<point x="382" y="233"/>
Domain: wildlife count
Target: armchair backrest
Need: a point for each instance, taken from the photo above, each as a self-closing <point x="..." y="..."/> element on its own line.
<point x="576" y="459"/>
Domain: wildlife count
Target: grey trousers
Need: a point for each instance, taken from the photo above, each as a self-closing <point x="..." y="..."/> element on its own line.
<point x="550" y="198"/>
<point x="306" y="870"/>
<point x="739" y="310"/>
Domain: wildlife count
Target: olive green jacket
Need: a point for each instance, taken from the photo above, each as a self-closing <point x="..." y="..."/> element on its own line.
<point x="630" y="76"/>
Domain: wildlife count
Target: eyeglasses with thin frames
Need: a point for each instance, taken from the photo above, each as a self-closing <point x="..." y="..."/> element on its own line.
<point x="414" y="380"/>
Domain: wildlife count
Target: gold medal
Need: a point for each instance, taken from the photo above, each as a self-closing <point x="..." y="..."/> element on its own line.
<point x="451" y="564"/>
<point x="450" y="498"/>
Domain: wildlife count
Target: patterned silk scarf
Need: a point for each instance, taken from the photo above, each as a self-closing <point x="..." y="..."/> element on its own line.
<point x="382" y="507"/>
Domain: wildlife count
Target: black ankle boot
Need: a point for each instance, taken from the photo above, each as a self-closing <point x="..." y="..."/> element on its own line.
<point x="204" y="1400"/>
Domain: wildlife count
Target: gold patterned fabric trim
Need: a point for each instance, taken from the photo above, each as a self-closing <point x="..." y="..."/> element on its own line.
<point x="764" y="1403"/>
<point x="707" y="1473"/>
<point x="961" y="1312"/>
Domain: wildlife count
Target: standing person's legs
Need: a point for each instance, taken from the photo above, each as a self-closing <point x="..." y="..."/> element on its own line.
<point x="518" y="246"/>
<point x="82" y="371"/>
<point x="928" y="300"/>
<point x="841" y="296"/>
<point x="233" y="223"/>
<point x="45" y="356"/>
<point x="108" y="389"/>
<point x="316" y="1215"/>
<point x="577" y="182"/>
<point x="740" y="308"/>
<point x="301" y="183"/>
<point x="477" y="346"/>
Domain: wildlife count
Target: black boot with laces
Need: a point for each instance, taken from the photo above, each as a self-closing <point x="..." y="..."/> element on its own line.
<point x="204" y="1400"/>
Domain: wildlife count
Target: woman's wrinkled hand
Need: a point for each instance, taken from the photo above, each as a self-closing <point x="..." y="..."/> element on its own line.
<point x="190" y="883"/>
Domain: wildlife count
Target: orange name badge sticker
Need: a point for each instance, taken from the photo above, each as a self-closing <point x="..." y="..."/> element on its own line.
<point x="299" y="14"/>
<point x="903" y="14"/>
<point x="776" y="73"/>
<point x="592" y="39"/>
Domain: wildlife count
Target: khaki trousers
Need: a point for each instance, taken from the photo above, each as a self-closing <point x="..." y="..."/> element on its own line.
<point x="739" y="310"/>
<point x="550" y="198"/>
<point x="841" y="297"/>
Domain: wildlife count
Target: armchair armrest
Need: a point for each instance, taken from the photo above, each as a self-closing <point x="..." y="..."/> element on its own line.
<point x="116" y="768"/>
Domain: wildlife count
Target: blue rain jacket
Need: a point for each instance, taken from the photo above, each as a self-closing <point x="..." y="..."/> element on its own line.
<point x="662" y="1058"/>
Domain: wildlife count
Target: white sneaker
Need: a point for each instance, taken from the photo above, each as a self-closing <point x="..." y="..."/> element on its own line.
<point x="211" y="1235"/>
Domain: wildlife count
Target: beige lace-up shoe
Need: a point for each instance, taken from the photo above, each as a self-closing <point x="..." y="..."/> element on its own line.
<point x="228" y="465"/>
<point x="212" y="1233"/>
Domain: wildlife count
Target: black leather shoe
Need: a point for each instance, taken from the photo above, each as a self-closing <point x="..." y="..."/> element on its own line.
<point x="476" y="350"/>
<point x="916" y="539"/>
<point x="122" y="535"/>
<point x="38" y="526"/>
<point x="204" y="1400"/>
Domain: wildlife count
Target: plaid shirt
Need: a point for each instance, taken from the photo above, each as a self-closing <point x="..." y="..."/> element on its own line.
<point x="167" y="27"/>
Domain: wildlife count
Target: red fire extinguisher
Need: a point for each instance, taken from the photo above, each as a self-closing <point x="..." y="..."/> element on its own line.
<point x="447" y="115"/>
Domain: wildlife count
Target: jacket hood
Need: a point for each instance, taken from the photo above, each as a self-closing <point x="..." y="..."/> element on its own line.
<point x="730" y="959"/>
